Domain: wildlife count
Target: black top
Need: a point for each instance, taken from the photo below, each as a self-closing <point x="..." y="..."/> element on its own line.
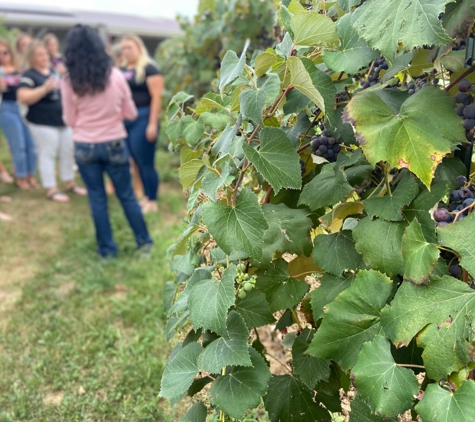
<point x="140" y="92"/>
<point x="12" y="81"/>
<point x="47" y="111"/>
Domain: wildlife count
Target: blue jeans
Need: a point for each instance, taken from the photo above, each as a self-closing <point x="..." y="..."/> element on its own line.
<point x="143" y="152"/>
<point x="93" y="159"/>
<point x="22" y="145"/>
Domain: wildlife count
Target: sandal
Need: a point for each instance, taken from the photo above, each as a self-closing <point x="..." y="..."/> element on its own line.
<point x="5" y="217"/>
<point x="6" y="178"/>
<point x="58" y="196"/>
<point x="78" y="190"/>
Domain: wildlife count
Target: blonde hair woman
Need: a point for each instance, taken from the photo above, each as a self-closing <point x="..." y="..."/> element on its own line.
<point x="22" y="42"/>
<point x="51" y="43"/>
<point x="21" y="143"/>
<point x="146" y="84"/>
<point x="39" y="89"/>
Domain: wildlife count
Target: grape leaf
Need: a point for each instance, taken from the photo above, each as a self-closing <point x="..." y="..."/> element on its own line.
<point x="379" y="242"/>
<point x="289" y="231"/>
<point x="264" y="61"/>
<point x="254" y="100"/>
<point x="242" y="387"/>
<point x="309" y="368"/>
<point x="210" y="300"/>
<point x="353" y="53"/>
<point x="224" y="141"/>
<point x="406" y="137"/>
<point x="197" y="413"/>
<point x="414" y="23"/>
<point x="255" y="309"/>
<point x="361" y="412"/>
<point x="346" y="5"/>
<point x="335" y="253"/>
<point x="189" y="171"/>
<point x="180" y="370"/>
<point x="313" y="29"/>
<point x="388" y="388"/>
<point x="460" y="237"/>
<point x="232" y="66"/>
<point x="420" y="256"/>
<point x="231" y="349"/>
<point x="282" y="291"/>
<point x="238" y="229"/>
<point x="445" y="310"/>
<point x="211" y="182"/>
<point x="441" y="405"/>
<point x="288" y="399"/>
<point x="352" y="319"/>
<point x="327" y="188"/>
<point x="389" y="207"/>
<point x="458" y="18"/>
<point x="276" y="160"/>
<point x="295" y="101"/>
<point x="330" y="287"/>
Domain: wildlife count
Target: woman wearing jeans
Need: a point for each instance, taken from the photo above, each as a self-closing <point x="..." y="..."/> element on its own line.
<point x="21" y="143"/>
<point x="146" y="84"/>
<point x="96" y="100"/>
<point x="39" y="89"/>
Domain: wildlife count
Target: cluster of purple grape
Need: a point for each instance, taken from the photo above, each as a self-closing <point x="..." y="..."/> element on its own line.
<point x="465" y="108"/>
<point x="418" y="84"/>
<point x="460" y="203"/>
<point x="379" y="65"/>
<point x="341" y="97"/>
<point x="326" y="146"/>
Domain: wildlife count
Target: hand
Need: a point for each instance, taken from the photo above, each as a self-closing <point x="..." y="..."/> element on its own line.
<point x="3" y="84"/>
<point x="51" y="84"/>
<point x="60" y="68"/>
<point x="151" y="132"/>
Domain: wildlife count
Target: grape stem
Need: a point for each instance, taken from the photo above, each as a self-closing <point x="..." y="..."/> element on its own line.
<point x="459" y="78"/>
<point x="296" y="318"/>
<point x="386" y="177"/>
<point x="410" y="365"/>
<point x="268" y="194"/>
<point x="457" y="214"/>
<point x="278" y="361"/>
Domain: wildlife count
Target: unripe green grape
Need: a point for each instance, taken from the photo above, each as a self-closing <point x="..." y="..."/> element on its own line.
<point x="246" y="276"/>
<point x="248" y="286"/>
<point x="241" y="267"/>
<point x="242" y="294"/>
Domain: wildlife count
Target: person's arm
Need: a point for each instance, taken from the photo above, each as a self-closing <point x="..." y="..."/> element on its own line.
<point x="155" y="87"/>
<point x="129" y="111"/>
<point x="29" y="95"/>
<point x="69" y="107"/>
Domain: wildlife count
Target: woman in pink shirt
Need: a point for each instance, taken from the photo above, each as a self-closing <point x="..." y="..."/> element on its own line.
<point x="96" y="100"/>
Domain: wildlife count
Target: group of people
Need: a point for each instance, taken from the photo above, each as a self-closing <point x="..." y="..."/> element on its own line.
<point x="89" y="109"/>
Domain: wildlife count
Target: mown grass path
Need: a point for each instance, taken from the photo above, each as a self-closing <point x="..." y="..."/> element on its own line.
<point x="81" y="339"/>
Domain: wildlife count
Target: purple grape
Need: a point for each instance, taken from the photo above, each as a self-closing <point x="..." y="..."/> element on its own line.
<point x="468" y="202"/>
<point x="455" y="270"/>
<point x="469" y="111"/>
<point x="336" y="148"/>
<point x="326" y="133"/>
<point x="331" y="141"/>
<point x="442" y="224"/>
<point x="466" y="193"/>
<point x="330" y="153"/>
<point x="460" y="180"/>
<point x="323" y="149"/>
<point x="455" y="196"/>
<point x="323" y="140"/>
<point x="315" y="143"/>
<point x="464" y="85"/>
<point x="469" y="124"/>
<point x="441" y="214"/>
<point x="459" y="110"/>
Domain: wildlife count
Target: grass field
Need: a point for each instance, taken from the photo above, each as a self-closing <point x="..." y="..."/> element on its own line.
<point x="81" y="339"/>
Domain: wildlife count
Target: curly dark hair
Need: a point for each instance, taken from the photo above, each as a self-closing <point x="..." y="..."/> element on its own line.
<point x="87" y="61"/>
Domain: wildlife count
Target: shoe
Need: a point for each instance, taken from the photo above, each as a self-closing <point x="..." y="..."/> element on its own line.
<point x="6" y="178"/>
<point x="145" y="250"/>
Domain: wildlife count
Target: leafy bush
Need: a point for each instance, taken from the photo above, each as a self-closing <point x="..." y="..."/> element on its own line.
<point x="313" y="173"/>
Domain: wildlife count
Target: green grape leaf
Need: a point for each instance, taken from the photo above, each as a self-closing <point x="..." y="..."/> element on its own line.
<point x="420" y="256"/>
<point x="212" y="182"/>
<point x="229" y="350"/>
<point x="189" y="172"/>
<point x="460" y="237"/>
<point x="379" y="242"/>
<point x="264" y="61"/>
<point x="232" y="66"/>
<point x="330" y="287"/>
<point x="255" y="309"/>
<point x="441" y="405"/>
<point x="389" y="207"/>
<point x="458" y="18"/>
<point x="361" y="412"/>
<point x="346" y="5"/>
<point x="352" y="319"/>
<point x="242" y="387"/>
<point x="445" y="310"/>
<point x="384" y="24"/>
<point x="335" y="253"/>
<point x="285" y="17"/>
<point x="197" y="413"/>
<point x="254" y="100"/>
<point x="238" y="229"/>
<point x="217" y="121"/>
<point x="406" y="136"/>
<point x="276" y="160"/>
<point x="210" y="300"/>
<point x="180" y="370"/>
<point x="192" y="129"/>
<point x="282" y="291"/>
<point x="288" y="399"/>
<point x="289" y="231"/>
<point x="327" y="188"/>
<point x="353" y="53"/>
<point x="309" y="368"/>
<point x="295" y="101"/>
<point x="389" y="388"/>
<point x="313" y="29"/>
<point x="223" y="143"/>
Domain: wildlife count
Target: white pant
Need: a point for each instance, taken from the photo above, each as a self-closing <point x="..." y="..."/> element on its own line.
<point x="52" y="142"/>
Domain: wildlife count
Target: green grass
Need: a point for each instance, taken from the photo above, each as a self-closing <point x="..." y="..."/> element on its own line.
<point x="81" y="339"/>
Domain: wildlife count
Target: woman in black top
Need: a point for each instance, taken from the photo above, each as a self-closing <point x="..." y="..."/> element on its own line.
<point x="18" y="136"/>
<point x="40" y="89"/>
<point x="146" y="84"/>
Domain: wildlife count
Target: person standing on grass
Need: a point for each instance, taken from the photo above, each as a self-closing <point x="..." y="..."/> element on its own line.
<point x="21" y="143"/>
<point x="22" y="42"/>
<point x="52" y="45"/>
<point x="146" y="84"/>
<point x="39" y="89"/>
<point x="96" y="101"/>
